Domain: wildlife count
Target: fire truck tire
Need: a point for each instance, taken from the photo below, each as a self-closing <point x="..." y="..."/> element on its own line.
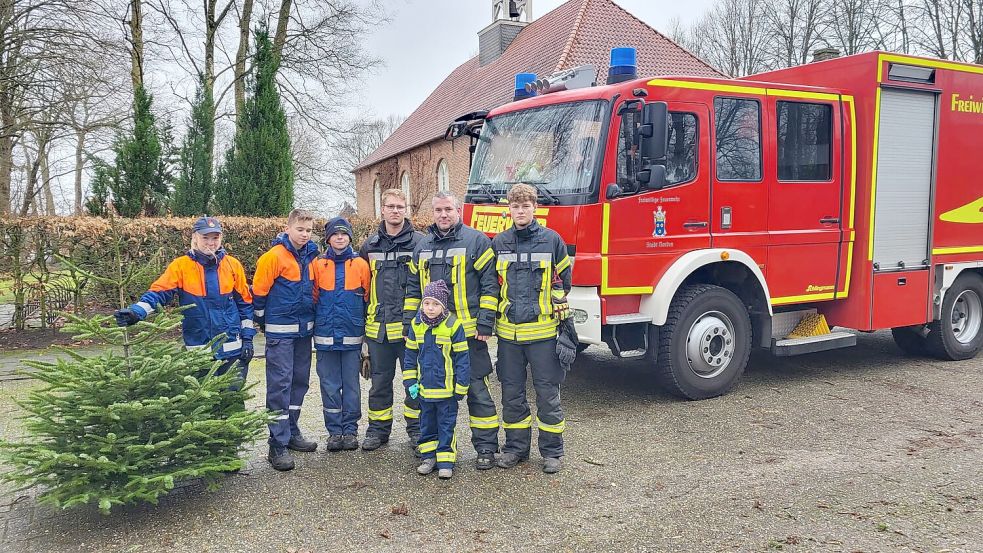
<point x="958" y="334"/>
<point x="705" y="343"/>
<point x="910" y="341"/>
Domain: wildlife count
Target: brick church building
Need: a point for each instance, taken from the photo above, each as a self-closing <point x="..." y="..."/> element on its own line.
<point x="578" y="32"/>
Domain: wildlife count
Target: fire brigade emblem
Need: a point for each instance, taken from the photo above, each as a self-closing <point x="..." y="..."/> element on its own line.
<point x="659" y="221"/>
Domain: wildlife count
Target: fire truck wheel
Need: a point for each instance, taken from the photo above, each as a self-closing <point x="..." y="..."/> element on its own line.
<point x="959" y="333"/>
<point x="705" y="343"/>
<point x="910" y="341"/>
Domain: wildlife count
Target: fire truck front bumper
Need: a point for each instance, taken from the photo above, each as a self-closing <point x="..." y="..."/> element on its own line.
<point x="585" y="308"/>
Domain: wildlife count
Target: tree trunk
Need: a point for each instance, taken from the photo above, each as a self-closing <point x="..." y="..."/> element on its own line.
<point x="49" y="197"/>
<point x="6" y="166"/>
<point x="283" y="18"/>
<point x="240" y="70"/>
<point x="79" y="165"/>
<point x="136" y="43"/>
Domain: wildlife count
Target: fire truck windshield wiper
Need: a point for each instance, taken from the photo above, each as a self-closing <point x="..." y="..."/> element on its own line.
<point x="547" y="195"/>
<point x="485" y="190"/>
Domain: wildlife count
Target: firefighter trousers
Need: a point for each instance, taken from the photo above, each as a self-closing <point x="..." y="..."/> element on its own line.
<point x="438" y="437"/>
<point x="481" y="406"/>
<point x="288" y="376"/>
<point x="383" y="358"/>
<point x="547" y="375"/>
<point x="341" y="393"/>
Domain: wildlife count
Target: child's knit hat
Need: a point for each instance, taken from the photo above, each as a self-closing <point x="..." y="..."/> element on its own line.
<point x="437" y="290"/>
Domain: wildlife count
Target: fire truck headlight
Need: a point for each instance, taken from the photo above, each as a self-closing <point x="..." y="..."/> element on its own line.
<point x="579" y="316"/>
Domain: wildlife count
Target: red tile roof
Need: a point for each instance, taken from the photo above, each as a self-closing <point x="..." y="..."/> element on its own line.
<point x="577" y="32"/>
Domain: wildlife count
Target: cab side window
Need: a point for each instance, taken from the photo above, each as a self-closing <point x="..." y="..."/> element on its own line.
<point x="738" y="137"/>
<point x="804" y="141"/>
<point x="681" y="155"/>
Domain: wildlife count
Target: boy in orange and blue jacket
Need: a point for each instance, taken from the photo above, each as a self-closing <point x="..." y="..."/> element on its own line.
<point x="283" y="298"/>
<point x="342" y="281"/>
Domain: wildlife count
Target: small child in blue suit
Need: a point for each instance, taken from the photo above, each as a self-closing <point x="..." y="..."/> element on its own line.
<point x="438" y="370"/>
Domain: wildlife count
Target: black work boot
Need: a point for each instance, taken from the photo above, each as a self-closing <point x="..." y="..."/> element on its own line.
<point x="509" y="460"/>
<point x="552" y="465"/>
<point x="349" y="442"/>
<point x="372" y="442"/>
<point x="484" y="461"/>
<point x="280" y="458"/>
<point x="299" y="443"/>
<point x="334" y="443"/>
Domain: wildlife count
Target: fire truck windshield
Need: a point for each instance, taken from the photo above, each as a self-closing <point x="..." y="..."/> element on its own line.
<point x="554" y="148"/>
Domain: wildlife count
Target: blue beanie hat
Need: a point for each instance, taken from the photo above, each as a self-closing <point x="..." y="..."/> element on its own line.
<point x="338" y="224"/>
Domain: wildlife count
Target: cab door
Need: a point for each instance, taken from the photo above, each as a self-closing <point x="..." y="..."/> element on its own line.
<point x="805" y="189"/>
<point x="645" y="231"/>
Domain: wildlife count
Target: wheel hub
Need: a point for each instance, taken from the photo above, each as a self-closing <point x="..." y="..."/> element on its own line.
<point x="710" y="344"/>
<point x="967" y="316"/>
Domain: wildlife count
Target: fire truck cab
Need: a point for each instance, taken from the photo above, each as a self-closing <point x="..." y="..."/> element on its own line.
<point x="706" y="217"/>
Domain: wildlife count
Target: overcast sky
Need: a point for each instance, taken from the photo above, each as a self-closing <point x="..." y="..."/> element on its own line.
<point x="426" y="40"/>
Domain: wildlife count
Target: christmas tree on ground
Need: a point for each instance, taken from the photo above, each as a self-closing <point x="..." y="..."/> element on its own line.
<point x="124" y="426"/>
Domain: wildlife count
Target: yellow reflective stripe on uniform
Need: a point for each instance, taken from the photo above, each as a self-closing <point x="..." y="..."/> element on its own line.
<point x="545" y="303"/>
<point x="460" y="390"/>
<point x="449" y="456"/>
<point x="412" y="344"/>
<point x="411" y="374"/>
<point x="373" y="294"/>
<point x="460" y="347"/>
<point x="412" y="267"/>
<point x="483" y="260"/>
<point x="394" y="329"/>
<point x="427" y="447"/>
<point x="554" y="428"/>
<point x="484" y="422"/>
<point x="563" y="264"/>
<point x="411" y="304"/>
<point x="488" y="302"/>
<point x="372" y="330"/>
<point x="559" y="294"/>
<point x="411" y="413"/>
<point x="524" y="423"/>
<point x="461" y="291"/>
<point x="381" y="414"/>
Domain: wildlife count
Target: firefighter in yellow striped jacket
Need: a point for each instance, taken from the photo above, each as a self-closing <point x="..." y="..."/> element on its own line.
<point x="462" y="257"/>
<point x="535" y="269"/>
<point x="388" y="252"/>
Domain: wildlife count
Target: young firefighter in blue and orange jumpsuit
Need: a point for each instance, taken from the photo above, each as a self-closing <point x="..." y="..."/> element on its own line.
<point x="437" y="368"/>
<point x="215" y="284"/>
<point x="283" y="296"/>
<point x="342" y="281"/>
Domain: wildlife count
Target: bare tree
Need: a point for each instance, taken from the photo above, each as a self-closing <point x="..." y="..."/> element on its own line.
<point x="733" y="37"/>
<point x="795" y="28"/>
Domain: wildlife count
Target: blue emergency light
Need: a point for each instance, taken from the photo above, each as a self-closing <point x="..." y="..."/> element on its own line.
<point x="520" y="86"/>
<point x="623" y="65"/>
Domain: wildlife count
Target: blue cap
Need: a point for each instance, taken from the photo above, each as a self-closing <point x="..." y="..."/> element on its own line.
<point x="338" y="224"/>
<point x="207" y="225"/>
<point x="520" y="85"/>
<point x="623" y="65"/>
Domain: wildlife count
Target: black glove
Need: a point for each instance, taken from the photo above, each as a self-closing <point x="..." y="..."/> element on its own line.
<point x="246" y="355"/>
<point x="365" y="368"/>
<point x="126" y="317"/>
<point x="260" y="324"/>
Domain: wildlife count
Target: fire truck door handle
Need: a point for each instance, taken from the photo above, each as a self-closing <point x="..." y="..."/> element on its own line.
<point x="829" y="220"/>
<point x="695" y="224"/>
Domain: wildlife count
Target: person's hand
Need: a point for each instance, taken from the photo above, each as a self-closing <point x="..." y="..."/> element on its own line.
<point x="413" y="390"/>
<point x="366" y="368"/>
<point x="482" y="338"/>
<point x="260" y="324"/>
<point x="561" y="310"/>
<point x="247" y="352"/>
<point x="126" y="317"/>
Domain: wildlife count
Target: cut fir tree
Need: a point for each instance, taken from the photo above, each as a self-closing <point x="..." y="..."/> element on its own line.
<point x="124" y="426"/>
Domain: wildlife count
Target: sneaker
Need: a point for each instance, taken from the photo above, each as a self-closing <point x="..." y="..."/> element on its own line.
<point x="349" y="442"/>
<point x="445" y="474"/>
<point x="299" y="443"/>
<point x="509" y="460"/>
<point x="281" y="459"/>
<point x="485" y="461"/>
<point x="335" y="443"/>
<point x="552" y="465"/>
<point x="426" y="467"/>
<point x="371" y="442"/>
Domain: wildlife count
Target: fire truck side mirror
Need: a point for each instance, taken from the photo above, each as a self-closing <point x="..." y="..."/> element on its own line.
<point x="455" y="130"/>
<point x="653" y="133"/>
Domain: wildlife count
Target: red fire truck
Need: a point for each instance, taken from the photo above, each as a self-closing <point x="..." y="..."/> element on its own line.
<point x="709" y="216"/>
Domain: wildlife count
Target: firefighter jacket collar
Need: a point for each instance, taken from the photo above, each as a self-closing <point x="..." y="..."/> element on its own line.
<point x="452" y="232"/>
<point x="307" y="253"/>
<point x="527" y="232"/>
<point x="404" y="236"/>
<point x="344" y="255"/>
<point x="206" y="260"/>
